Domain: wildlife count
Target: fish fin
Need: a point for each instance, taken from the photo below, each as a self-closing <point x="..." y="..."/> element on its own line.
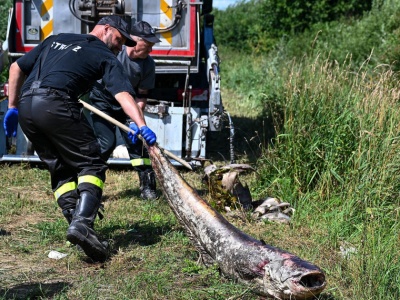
<point x="205" y="257"/>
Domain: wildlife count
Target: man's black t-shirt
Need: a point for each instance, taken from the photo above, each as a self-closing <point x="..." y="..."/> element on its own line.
<point x="73" y="64"/>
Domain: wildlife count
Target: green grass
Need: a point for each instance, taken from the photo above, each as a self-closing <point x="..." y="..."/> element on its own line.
<point x="152" y="257"/>
<point x="318" y="118"/>
<point x="323" y="135"/>
<point x="335" y="158"/>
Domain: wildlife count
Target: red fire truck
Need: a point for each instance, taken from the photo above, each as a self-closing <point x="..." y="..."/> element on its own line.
<point x="184" y="108"/>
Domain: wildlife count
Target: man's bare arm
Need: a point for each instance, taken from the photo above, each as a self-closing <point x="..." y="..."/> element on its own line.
<point x="141" y="99"/>
<point x="15" y="80"/>
<point x="131" y="108"/>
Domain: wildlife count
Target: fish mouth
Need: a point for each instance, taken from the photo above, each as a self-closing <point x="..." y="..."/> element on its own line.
<point x="303" y="285"/>
<point x="309" y="284"/>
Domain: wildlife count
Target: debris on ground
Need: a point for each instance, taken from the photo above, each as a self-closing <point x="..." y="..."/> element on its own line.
<point x="56" y="255"/>
<point x="347" y="250"/>
<point x="273" y="209"/>
<point x="225" y="188"/>
<point x="227" y="193"/>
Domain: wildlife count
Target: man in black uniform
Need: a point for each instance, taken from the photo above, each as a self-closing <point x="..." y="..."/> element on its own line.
<point x="57" y="72"/>
<point x="140" y="68"/>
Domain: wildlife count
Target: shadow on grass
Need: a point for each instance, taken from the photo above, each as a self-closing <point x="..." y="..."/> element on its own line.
<point x="135" y="193"/>
<point x="127" y="193"/>
<point x="34" y="290"/>
<point x="142" y="233"/>
<point x="4" y="232"/>
<point x="251" y="135"/>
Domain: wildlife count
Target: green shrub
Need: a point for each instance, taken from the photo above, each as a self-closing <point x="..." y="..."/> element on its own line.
<point x="295" y="16"/>
<point x="6" y="5"/>
<point x="257" y="25"/>
<point x="336" y="154"/>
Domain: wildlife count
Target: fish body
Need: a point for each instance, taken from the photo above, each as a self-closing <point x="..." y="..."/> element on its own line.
<point x="270" y="271"/>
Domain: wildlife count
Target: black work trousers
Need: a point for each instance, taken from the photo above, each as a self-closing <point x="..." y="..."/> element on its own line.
<point x="62" y="138"/>
<point x="106" y="135"/>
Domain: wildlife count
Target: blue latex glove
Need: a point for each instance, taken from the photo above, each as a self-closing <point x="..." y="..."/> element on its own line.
<point x="10" y="122"/>
<point x="148" y="135"/>
<point x="133" y="137"/>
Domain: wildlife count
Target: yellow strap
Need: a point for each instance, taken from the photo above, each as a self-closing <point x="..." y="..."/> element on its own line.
<point x="66" y="187"/>
<point x="141" y="162"/>
<point x="91" y="179"/>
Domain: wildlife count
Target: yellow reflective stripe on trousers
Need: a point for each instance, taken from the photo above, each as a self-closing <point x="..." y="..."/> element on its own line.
<point x="91" y="179"/>
<point x="66" y="187"/>
<point x="141" y="162"/>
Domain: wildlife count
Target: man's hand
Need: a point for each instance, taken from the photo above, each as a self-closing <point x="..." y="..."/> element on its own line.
<point x="133" y="136"/>
<point x="148" y="135"/>
<point x="10" y="122"/>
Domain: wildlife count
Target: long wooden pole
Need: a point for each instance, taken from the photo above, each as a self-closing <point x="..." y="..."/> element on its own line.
<point x="127" y="129"/>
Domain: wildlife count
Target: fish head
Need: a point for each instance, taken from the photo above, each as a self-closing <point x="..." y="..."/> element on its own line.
<point x="292" y="278"/>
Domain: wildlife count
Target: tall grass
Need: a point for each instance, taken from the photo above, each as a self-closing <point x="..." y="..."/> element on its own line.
<point x="336" y="158"/>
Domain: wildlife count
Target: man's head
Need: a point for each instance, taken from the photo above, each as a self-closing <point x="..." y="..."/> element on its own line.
<point x="145" y="37"/>
<point x="116" y="33"/>
<point x="144" y="30"/>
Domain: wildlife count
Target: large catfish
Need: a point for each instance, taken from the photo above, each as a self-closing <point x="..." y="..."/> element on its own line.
<point x="268" y="270"/>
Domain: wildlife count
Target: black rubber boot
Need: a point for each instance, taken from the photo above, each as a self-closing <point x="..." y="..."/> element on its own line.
<point x="148" y="185"/>
<point x="67" y="203"/>
<point x="81" y="232"/>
